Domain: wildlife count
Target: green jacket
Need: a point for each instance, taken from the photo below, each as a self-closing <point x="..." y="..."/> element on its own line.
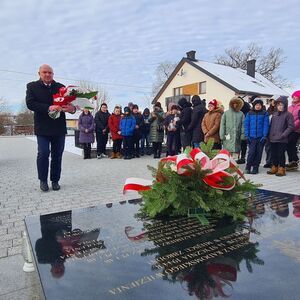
<point x="156" y="120"/>
<point x="232" y="130"/>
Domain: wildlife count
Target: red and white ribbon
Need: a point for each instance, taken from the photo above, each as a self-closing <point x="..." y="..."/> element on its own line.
<point x="137" y="184"/>
<point x="183" y="164"/>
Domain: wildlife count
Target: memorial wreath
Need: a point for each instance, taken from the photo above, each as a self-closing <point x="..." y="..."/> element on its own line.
<point x="198" y="183"/>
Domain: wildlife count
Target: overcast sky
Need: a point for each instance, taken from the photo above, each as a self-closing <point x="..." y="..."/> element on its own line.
<point x="120" y="43"/>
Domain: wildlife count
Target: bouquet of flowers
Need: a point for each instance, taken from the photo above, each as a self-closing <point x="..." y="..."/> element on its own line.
<point x="197" y="183"/>
<point x="78" y="96"/>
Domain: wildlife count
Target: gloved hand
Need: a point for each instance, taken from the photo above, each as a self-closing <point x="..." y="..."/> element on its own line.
<point x="262" y="140"/>
<point x="249" y="140"/>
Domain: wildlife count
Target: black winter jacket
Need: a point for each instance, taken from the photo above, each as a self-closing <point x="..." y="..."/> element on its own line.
<point x="246" y="108"/>
<point x="101" y="121"/>
<point x="185" y="117"/>
<point x="139" y="121"/>
<point x="198" y="113"/>
<point x="39" y="98"/>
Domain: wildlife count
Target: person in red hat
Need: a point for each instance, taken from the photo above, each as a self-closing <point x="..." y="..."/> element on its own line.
<point x="211" y="123"/>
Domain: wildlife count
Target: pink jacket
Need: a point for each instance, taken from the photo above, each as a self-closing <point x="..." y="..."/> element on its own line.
<point x="294" y="109"/>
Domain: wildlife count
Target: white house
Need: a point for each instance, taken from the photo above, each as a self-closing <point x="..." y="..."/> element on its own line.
<point x="214" y="81"/>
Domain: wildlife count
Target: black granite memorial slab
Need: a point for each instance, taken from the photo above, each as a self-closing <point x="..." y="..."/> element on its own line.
<point x="107" y="252"/>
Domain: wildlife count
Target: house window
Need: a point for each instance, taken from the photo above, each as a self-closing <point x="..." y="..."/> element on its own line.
<point x="178" y="91"/>
<point x="202" y="87"/>
<point x="191" y="89"/>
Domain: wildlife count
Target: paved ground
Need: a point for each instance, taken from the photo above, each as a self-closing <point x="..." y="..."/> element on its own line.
<point x="84" y="183"/>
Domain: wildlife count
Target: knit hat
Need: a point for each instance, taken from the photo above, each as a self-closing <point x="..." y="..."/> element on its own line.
<point x="257" y="101"/>
<point x="251" y="99"/>
<point x="146" y="111"/>
<point x="135" y="106"/>
<point x="182" y="102"/>
<point x="126" y="109"/>
<point x="214" y="103"/>
<point x="296" y="94"/>
<point x="157" y="104"/>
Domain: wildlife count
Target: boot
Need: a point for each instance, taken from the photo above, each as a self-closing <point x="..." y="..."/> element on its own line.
<point x="273" y="170"/>
<point x="118" y="155"/>
<point x="113" y="155"/>
<point x="241" y="161"/>
<point x="281" y="171"/>
<point x="292" y="166"/>
<point x="254" y="170"/>
<point x="44" y="186"/>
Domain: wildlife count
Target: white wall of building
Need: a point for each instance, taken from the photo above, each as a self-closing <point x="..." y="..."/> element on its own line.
<point x="214" y="89"/>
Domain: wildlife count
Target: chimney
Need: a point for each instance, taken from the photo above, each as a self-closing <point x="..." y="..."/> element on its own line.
<point x="251" y="67"/>
<point x="191" y="55"/>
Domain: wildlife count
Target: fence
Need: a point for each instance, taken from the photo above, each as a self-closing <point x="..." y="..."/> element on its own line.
<point x="17" y="130"/>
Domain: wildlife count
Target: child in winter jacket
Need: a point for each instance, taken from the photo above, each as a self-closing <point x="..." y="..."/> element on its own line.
<point x="294" y="109"/>
<point x="173" y="132"/>
<point x="101" y="122"/>
<point x="137" y="132"/>
<point x="282" y="124"/>
<point x="145" y="132"/>
<point x="256" y="131"/>
<point x="127" y="127"/>
<point x="86" y="131"/>
<point x="114" y="128"/>
<point x="156" y="129"/>
<point x="232" y="127"/>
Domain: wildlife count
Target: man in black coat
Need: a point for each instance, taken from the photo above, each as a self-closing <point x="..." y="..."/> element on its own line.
<point x="198" y="113"/>
<point x="184" y="122"/>
<point x="50" y="132"/>
<point x="102" y="129"/>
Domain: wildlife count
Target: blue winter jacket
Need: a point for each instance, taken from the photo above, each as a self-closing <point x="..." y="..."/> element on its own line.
<point x="127" y="125"/>
<point x="256" y="124"/>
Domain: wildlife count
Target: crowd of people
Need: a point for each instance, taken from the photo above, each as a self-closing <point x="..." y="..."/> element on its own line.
<point x="243" y="126"/>
<point x="246" y="125"/>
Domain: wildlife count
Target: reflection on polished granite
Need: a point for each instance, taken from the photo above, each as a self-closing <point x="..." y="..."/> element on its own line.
<point x="108" y="252"/>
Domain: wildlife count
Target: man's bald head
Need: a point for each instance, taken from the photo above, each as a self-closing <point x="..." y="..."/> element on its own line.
<point x="46" y="73"/>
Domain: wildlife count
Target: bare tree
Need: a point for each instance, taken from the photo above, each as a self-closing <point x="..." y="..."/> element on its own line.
<point x="4" y="105"/>
<point x="25" y="116"/>
<point x="267" y="62"/>
<point x="6" y="117"/>
<point x="102" y="96"/>
<point x="162" y="73"/>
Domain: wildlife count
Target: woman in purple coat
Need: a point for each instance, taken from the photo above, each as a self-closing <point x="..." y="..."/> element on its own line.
<point x="86" y="134"/>
<point x="282" y="124"/>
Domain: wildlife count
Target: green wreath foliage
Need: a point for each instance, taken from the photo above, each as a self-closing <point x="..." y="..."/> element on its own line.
<point x="173" y="194"/>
